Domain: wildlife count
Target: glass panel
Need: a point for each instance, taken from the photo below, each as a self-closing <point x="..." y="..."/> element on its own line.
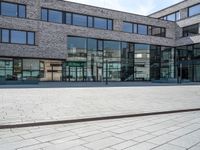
<point x="8" y="9"/>
<point x="55" y="16"/>
<point x="100" y="45"/>
<point x="5" y="35"/>
<point x="127" y="27"/>
<point x="142" y="62"/>
<point x="191" y="30"/>
<point x="194" y="10"/>
<point x="31" y="38"/>
<point x="44" y="14"/>
<point x="22" y="11"/>
<point x="18" y="37"/>
<point x="79" y="20"/>
<point x="178" y="15"/>
<point x="155" y="59"/>
<point x="68" y="18"/>
<point x="112" y="55"/>
<point x="142" y="29"/>
<point x="112" y="49"/>
<point x="156" y="31"/>
<point x="77" y="48"/>
<point x="100" y="23"/>
<point x="171" y="17"/>
<point x="127" y="62"/>
<point x="90" y="22"/>
<point x="110" y="24"/>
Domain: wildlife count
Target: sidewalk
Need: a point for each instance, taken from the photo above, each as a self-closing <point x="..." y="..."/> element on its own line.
<point x="163" y="132"/>
<point x="28" y="105"/>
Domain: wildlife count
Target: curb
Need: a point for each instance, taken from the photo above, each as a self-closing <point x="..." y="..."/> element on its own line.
<point x="94" y="119"/>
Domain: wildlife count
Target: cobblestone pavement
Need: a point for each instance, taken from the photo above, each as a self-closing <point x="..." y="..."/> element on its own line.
<point x="179" y="131"/>
<point x="27" y="105"/>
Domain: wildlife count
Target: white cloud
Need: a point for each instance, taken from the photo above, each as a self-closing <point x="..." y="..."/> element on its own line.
<point x="143" y="7"/>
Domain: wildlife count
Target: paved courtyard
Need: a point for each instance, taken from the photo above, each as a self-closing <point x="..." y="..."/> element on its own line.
<point x="163" y="132"/>
<point x="27" y="105"/>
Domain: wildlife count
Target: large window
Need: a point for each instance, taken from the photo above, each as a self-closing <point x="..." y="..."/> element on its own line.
<point x="57" y="16"/>
<point x="12" y="9"/>
<point x="194" y="10"/>
<point x="172" y="17"/>
<point x="17" y="37"/>
<point x="191" y="30"/>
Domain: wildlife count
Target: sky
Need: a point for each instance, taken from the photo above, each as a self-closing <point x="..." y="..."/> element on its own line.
<point x="142" y="7"/>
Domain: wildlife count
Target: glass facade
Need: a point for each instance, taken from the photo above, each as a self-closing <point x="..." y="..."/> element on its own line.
<point x="17" y="69"/>
<point x="12" y="9"/>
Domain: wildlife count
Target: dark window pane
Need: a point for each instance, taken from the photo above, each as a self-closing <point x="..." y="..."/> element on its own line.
<point x="127" y="27"/>
<point x="142" y="29"/>
<point x="194" y="10"/>
<point x="100" y="23"/>
<point x="156" y="31"/>
<point x="191" y="30"/>
<point x="18" y="37"/>
<point x="171" y="17"/>
<point x="163" y="32"/>
<point x="5" y="35"/>
<point x="110" y="24"/>
<point x="22" y="11"/>
<point x="68" y="18"/>
<point x="8" y="9"/>
<point x="55" y="16"/>
<point x="44" y="14"/>
<point x="90" y="22"/>
<point x="31" y="38"/>
<point x="79" y="20"/>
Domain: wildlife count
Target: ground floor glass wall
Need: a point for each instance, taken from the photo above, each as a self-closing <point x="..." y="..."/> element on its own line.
<point x="16" y="69"/>
<point x="188" y="62"/>
<point x="99" y="60"/>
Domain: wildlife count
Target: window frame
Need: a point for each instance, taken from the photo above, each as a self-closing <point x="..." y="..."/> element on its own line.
<point x="188" y="10"/>
<point x="17" y="5"/>
<point x="64" y="19"/>
<point x="9" y="36"/>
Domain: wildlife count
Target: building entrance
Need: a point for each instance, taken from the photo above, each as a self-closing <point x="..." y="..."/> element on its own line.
<point x="75" y="71"/>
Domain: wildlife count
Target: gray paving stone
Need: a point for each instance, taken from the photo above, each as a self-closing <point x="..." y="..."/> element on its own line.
<point x="124" y="145"/>
<point x="104" y="143"/>
<point x="142" y="146"/>
<point x="169" y="147"/>
<point x="188" y="140"/>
